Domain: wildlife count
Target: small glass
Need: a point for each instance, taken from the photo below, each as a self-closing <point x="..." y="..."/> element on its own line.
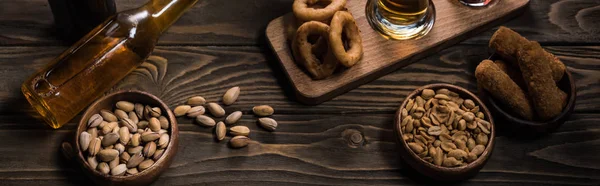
<point x="475" y="2"/>
<point x="401" y="19"/>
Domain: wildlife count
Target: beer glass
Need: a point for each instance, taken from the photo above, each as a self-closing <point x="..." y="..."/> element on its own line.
<point x="401" y="19"/>
<point x="475" y="2"/>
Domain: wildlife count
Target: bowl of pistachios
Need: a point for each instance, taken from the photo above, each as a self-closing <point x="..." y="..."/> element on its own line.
<point x="126" y="138"/>
<point x="444" y="131"/>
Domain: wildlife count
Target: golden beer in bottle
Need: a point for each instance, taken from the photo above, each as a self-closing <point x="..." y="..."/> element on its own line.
<point x="99" y="60"/>
<point x="401" y="19"/>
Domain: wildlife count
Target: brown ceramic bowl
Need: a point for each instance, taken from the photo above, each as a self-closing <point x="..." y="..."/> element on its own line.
<point x="519" y="125"/>
<point x="439" y="172"/>
<point x="144" y="177"/>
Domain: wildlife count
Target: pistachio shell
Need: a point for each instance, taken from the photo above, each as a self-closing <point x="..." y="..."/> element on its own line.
<point x="121" y="114"/>
<point x="94" y="146"/>
<point x="106" y="155"/>
<point x="220" y="131"/>
<point x="134" y="150"/>
<point x="239" y="141"/>
<point x="92" y="162"/>
<point x="129" y="124"/>
<point x="135" y="160"/>
<point x="108" y="116"/>
<point x="164" y="122"/>
<point x="158" y="154"/>
<point x="149" y="136"/>
<point x="145" y="164"/>
<point x="139" y="110"/>
<point x="110" y="139"/>
<point x="231" y="95"/>
<point x="154" y="124"/>
<point x="196" y="101"/>
<point x="132" y="171"/>
<point x="124" y="157"/>
<point x="124" y="135"/>
<point x="216" y="110"/>
<point x="233" y="117"/>
<point x="163" y="141"/>
<point x="149" y="149"/>
<point x="181" y="110"/>
<point x="118" y="170"/>
<point x="268" y="123"/>
<point x="195" y="111"/>
<point x="94" y="121"/>
<point x="84" y="140"/>
<point x="125" y="106"/>
<point x="103" y="168"/>
<point x="205" y="121"/>
<point x="113" y="163"/>
<point x="239" y="131"/>
<point x="136" y="139"/>
<point x="263" y="110"/>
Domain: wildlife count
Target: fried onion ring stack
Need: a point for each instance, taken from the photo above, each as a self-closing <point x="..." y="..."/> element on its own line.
<point x="320" y="47"/>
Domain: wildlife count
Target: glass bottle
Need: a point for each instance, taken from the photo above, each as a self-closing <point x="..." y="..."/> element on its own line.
<point x="74" y="18"/>
<point x="99" y="60"/>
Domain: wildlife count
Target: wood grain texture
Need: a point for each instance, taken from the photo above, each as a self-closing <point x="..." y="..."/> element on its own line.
<point x="209" y="22"/>
<point x="382" y="56"/>
<point x="311" y="144"/>
<point x="242" y="22"/>
<point x="210" y="71"/>
<point x="313" y="149"/>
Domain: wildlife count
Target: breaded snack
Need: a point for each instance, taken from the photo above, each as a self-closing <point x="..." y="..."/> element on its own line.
<point x="497" y="83"/>
<point x="305" y="11"/>
<point x="343" y="24"/>
<point x="507" y="43"/>
<point x="308" y="55"/>
<point x="512" y="72"/>
<point x="557" y="67"/>
<point x="542" y="89"/>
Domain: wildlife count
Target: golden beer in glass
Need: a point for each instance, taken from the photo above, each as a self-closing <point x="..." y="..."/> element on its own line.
<point x="401" y="19"/>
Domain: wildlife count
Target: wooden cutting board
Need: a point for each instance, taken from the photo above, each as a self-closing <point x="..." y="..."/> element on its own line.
<point x="454" y="22"/>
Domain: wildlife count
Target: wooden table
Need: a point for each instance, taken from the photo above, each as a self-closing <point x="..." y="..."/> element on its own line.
<point x="220" y="44"/>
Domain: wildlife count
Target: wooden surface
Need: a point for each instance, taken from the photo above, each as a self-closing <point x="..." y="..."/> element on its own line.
<point x="382" y="56"/>
<point x="221" y="44"/>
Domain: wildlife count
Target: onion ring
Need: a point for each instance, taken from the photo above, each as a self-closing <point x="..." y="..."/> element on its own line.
<point x="343" y="23"/>
<point x="304" y="12"/>
<point x="302" y="50"/>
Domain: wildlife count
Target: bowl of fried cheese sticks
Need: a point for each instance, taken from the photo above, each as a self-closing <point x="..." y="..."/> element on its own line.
<point x="524" y="84"/>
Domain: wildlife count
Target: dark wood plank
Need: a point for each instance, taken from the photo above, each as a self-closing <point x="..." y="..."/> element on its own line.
<point x="243" y="22"/>
<point x="314" y="149"/>
<point x="209" y="22"/>
<point x="311" y="144"/>
<point x="209" y="71"/>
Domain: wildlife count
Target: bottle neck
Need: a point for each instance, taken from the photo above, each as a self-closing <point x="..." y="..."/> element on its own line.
<point x="166" y="12"/>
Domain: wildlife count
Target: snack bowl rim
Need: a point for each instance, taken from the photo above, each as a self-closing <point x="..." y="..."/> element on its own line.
<point x="535" y="126"/>
<point x="146" y="176"/>
<point x="440" y="172"/>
